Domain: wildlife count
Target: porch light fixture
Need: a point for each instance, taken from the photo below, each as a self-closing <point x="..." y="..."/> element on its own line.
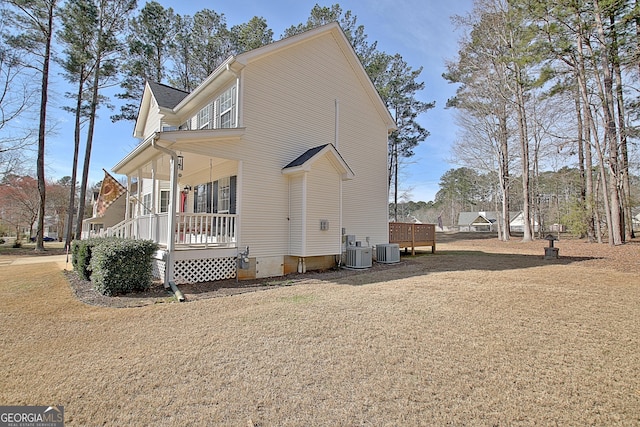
<point x="180" y="163"/>
<point x="187" y="188"/>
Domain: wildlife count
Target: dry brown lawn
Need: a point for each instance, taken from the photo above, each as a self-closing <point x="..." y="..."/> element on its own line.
<point x="481" y="333"/>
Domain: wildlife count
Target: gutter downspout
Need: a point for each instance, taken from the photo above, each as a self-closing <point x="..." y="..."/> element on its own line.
<point x="237" y="112"/>
<point x="173" y="182"/>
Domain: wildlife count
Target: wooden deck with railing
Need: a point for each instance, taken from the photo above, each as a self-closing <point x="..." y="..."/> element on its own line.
<point x="409" y="235"/>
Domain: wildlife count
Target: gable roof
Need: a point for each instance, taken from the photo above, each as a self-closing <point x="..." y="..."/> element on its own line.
<point x="489" y="217"/>
<point x="306" y="156"/>
<point x="167" y="96"/>
<point x="304" y="162"/>
<point x="234" y="64"/>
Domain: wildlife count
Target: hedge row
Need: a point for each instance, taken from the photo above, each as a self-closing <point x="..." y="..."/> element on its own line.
<point x="115" y="266"/>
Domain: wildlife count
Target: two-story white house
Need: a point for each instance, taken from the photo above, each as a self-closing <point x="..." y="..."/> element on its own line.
<point x="282" y="149"/>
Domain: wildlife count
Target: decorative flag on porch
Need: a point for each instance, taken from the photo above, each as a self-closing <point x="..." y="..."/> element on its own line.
<point x="110" y="191"/>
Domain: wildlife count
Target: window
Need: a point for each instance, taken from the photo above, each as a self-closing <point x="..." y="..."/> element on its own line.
<point x="164" y="201"/>
<point x="146" y="204"/>
<point x="224" y="193"/>
<point x="204" y="117"/>
<point x="226" y="111"/>
<point x="219" y="114"/>
<point x="202" y="198"/>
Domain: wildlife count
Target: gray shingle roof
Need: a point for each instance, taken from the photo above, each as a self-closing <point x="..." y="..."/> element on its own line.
<point x="468" y="218"/>
<point x="305" y="156"/>
<point x="167" y="96"/>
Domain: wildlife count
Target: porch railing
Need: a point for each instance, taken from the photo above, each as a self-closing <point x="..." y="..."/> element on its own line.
<point x="191" y="229"/>
<point x="206" y="229"/>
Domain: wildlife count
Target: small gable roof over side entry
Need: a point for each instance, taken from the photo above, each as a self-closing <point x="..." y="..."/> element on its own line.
<point x="304" y="162"/>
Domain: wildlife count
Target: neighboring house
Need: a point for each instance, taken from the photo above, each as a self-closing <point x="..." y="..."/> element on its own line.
<point x="99" y="222"/>
<point x="282" y="150"/>
<point x="488" y="221"/>
<point x="635" y="218"/>
<point x="517" y="223"/>
<point x="478" y="221"/>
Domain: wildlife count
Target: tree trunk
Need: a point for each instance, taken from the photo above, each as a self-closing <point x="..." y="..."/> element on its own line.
<point x="590" y="194"/>
<point x="95" y="85"/>
<point x="624" y="184"/>
<point x="503" y="166"/>
<point x="42" y="130"/>
<point x="581" y="167"/>
<point x="524" y="151"/>
<point x="611" y="137"/>
<point x="74" y="172"/>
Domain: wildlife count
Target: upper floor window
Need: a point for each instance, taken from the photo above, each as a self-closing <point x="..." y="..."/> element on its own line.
<point x="204" y="117"/>
<point x="226" y="104"/>
<point x="221" y="113"/>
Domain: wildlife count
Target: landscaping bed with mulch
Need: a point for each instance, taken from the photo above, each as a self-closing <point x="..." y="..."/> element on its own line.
<point x="157" y="294"/>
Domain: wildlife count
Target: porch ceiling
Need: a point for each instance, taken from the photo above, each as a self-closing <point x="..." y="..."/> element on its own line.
<point x="197" y="146"/>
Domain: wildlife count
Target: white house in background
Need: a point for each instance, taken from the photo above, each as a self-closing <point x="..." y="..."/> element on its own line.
<point x="517" y="223"/>
<point x="282" y="150"/>
<point x="488" y="221"/>
<point x="635" y="218"/>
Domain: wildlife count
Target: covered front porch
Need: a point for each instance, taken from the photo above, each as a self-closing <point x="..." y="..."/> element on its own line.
<point x="183" y="195"/>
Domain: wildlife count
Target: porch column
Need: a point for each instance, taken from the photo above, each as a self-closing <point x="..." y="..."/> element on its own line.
<point x="171" y="212"/>
<point x="134" y="230"/>
<point x="171" y="220"/>
<point x="127" y="210"/>
<point x="153" y="227"/>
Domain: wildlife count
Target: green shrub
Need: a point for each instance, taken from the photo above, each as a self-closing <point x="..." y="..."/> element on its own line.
<point x="81" y="255"/>
<point x="120" y="266"/>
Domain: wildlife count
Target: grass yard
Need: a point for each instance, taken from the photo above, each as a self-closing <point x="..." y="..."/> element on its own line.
<point x="481" y="333"/>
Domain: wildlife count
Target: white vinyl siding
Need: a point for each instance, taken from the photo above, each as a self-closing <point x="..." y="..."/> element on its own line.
<point x="296" y="238"/>
<point x="302" y="83"/>
<point x="322" y="181"/>
<point x="154" y="120"/>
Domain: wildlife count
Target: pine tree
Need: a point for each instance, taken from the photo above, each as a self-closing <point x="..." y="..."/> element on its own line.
<point x="34" y="24"/>
<point x="149" y="42"/>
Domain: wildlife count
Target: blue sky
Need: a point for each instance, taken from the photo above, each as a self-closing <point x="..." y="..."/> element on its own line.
<point x="419" y="30"/>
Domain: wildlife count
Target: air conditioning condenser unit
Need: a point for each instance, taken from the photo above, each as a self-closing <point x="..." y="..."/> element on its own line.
<point x="388" y="253"/>
<point x="358" y="257"/>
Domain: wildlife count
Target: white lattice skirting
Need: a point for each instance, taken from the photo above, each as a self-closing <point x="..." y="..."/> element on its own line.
<point x="197" y="270"/>
<point x="158" y="268"/>
<point x="204" y="270"/>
